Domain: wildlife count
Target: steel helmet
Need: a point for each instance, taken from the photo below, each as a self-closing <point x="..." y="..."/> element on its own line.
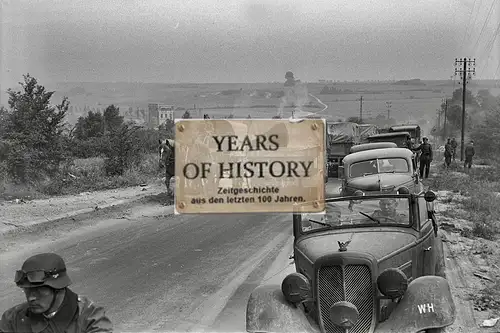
<point x="45" y="269"/>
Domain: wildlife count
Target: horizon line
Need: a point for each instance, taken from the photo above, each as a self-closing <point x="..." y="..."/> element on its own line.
<point x="278" y="82"/>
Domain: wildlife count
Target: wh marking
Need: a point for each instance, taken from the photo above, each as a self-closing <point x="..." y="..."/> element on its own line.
<point x="425" y="308"/>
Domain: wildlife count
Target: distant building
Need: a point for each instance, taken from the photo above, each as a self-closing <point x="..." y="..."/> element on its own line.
<point x="165" y="112"/>
<point x="158" y="114"/>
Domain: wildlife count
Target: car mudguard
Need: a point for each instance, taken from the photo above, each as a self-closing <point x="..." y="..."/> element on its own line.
<point x="427" y="304"/>
<point x="268" y="311"/>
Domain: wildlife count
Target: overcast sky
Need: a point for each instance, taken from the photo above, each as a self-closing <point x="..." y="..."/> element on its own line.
<point x="244" y="40"/>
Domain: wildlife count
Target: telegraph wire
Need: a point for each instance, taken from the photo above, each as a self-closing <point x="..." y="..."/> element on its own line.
<point x="468" y="24"/>
<point x="484" y="25"/>
<point x="490" y="46"/>
<point x="474" y="22"/>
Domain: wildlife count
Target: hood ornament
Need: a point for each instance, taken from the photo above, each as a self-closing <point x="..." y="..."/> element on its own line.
<point x="343" y="246"/>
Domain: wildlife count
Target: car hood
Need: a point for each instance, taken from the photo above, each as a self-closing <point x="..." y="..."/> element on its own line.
<point x="371" y="182"/>
<point x="377" y="243"/>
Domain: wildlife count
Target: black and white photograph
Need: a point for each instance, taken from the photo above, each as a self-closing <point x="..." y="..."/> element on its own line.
<point x="250" y="166"/>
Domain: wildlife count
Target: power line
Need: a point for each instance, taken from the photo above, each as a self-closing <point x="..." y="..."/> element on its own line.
<point x="468" y="24"/>
<point x="475" y="19"/>
<point x="490" y="45"/>
<point x="484" y="25"/>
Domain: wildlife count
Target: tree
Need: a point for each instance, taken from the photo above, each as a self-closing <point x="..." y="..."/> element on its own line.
<point x="112" y="118"/>
<point x="457" y="97"/>
<point x="34" y="129"/>
<point x="91" y="126"/>
<point x="124" y="149"/>
<point x="454" y="117"/>
<point x="486" y="100"/>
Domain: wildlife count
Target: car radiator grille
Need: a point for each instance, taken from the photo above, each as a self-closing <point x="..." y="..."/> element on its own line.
<point x="351" y="283"/>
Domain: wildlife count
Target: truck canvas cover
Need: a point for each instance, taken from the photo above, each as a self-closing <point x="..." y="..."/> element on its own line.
<point x="366" y="130"/>
<point x="344" y="132"/>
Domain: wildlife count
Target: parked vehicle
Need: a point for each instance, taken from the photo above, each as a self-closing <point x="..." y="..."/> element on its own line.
<point x="399" y="138"/>
<point x="374" y="145"/>
<point x="341" y="136"/>
<point x="381" y="170"/>
<point x="414" y="131"/>
<point x="367" y="130"/>
<point x="360" y="272"/>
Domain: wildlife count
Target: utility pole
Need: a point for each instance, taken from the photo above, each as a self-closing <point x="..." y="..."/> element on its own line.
<point x="445" y="111"/>
<point x="361" y="109"/>
<point x="389" y="106"/>
<point x="465" y="75"/>
<point x="439" y="119"/>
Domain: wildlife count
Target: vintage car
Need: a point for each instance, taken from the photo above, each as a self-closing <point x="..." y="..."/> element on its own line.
<point x="375" y="265"/>
<point x="374" y="145"/>
<point x="379" y="170"/>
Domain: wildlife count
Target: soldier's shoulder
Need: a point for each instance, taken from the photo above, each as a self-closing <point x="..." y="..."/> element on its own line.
<point x="16" y="310"/>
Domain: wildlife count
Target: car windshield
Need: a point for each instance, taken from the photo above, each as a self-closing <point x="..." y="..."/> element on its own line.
<point x="363" y="212"/>
<point x="381" y="165"/>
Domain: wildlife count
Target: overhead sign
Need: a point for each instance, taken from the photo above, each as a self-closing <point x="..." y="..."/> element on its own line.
<point x="249" y="165"/>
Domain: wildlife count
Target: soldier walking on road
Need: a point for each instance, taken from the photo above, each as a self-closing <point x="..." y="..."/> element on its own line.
<point x="51" y="306"/>
<point x="469" y="154"/>
<point x="454" y="146"/>
<point x="425" y="157"/>
<point x="448" y="153"/>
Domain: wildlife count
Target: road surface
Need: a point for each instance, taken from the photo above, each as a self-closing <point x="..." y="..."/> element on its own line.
<point x="154" y="271"/>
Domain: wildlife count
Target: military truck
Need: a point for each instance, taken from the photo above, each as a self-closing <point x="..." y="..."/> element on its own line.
<point x="341" y="136"/>
<point x="414" y="131"/>
<point x="367" y="130"/>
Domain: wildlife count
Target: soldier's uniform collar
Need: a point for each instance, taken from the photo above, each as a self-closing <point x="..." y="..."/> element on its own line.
<point x="56" y="321"/>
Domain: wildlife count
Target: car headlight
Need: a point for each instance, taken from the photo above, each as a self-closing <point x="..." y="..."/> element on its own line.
<point x="296" y="288"/>
<point x="392" y="283"/>
<point x="344" y="314"/>
<point x="403" y="190"/>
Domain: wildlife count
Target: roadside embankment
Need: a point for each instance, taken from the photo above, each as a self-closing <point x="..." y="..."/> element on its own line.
<point x="468" y="207"/>
<point x="19" y="214"/>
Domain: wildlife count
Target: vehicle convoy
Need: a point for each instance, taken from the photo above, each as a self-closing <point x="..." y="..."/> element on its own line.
<point x="341" y="136"/>
<point x="382" y="170"/>
<point x="374" y="264"/>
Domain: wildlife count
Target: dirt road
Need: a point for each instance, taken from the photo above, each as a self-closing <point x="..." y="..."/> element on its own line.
<point x="154" y="271"/>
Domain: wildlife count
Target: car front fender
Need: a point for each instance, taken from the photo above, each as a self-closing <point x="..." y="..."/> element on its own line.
<point x="427" y="304"/>
<point x="268" y="311"/>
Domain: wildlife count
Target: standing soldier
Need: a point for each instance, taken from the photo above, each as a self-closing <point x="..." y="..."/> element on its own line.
<point x="448" y="153"/>
<point x="425" y="157"/>
<point x="50" y="305"/>
<point x="454" y="146"/>
<point x="469" y="154"/>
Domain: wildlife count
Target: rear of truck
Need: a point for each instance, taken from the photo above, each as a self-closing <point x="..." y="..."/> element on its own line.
<point x="341" y="136"/>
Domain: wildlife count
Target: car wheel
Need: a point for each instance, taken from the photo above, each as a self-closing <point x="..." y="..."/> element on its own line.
<point x="440" y="269"/>
<point x="436" y="330"/>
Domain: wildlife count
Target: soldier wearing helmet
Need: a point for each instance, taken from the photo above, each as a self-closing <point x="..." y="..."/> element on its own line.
<point x="51" y="306"/>
<point x="425" y="157"/>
